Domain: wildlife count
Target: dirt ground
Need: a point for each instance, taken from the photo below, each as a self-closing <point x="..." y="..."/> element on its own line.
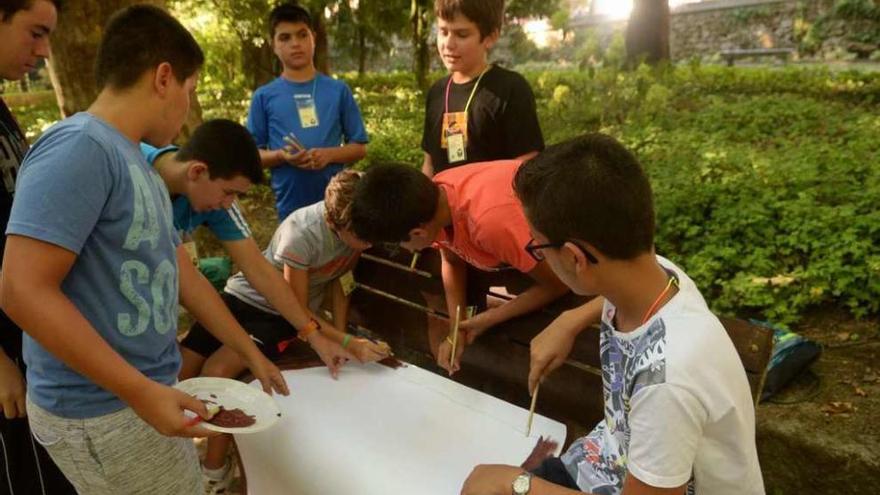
<point x="822" y="434"/>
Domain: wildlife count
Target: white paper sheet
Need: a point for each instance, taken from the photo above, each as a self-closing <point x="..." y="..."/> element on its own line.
<point x="380" y="431"/>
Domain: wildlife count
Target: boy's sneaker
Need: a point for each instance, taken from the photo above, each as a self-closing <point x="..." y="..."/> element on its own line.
<point x="218" y="481"/>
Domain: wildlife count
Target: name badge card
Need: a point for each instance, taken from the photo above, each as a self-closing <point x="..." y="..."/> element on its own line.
<point x="348" y="283"/>
<point x="454" y="136"/>
<point x="308" y="114"/>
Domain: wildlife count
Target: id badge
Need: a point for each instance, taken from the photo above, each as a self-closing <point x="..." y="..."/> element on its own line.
<point x="192" y="251"/>
<point x="348" y="283"/>
<point x="455" y="151"/>
<point x="453" y="122"/>
<point x="308" y="114"/>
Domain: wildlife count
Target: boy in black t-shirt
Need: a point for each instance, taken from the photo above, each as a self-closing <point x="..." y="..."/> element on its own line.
<point x="479" y="112"/>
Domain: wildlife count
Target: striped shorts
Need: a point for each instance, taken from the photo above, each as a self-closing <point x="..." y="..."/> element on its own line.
<point x="117" y="454"/>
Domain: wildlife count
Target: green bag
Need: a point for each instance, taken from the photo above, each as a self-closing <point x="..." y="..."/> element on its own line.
<point x="216" y="270"/>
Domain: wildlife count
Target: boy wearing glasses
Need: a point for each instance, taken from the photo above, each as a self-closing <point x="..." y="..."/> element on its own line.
<point x="472" y="215"/>
<point x="679" y="416"/>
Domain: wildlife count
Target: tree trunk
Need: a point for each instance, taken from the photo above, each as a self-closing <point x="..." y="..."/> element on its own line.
<point x="647" y="33"/>
<point x="362" y="50"/>
<point x="75" y="49"/>
<point x="258" y="62"/>
<point x="322" y="56"/>
<point x="421" y="31"/>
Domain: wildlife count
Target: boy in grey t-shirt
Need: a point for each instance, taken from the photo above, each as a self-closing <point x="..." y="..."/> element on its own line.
<point x="316" y="251"/>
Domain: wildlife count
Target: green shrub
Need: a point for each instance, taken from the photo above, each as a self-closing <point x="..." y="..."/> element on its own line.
<point x="764" y="180"/>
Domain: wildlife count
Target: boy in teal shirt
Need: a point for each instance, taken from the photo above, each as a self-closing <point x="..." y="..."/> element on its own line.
<point x="204" y="177"/>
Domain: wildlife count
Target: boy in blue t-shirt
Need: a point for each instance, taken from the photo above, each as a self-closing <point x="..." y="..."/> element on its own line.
<point x="306" y="124"/>
<point x="94" y="272"/>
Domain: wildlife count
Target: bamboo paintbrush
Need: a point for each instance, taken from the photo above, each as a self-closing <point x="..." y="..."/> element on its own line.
<point x="415" y="259"/>
<point x="455" y="335"/>
<point x="532" y="409"/>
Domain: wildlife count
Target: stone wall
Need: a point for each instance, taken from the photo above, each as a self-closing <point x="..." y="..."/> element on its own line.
<point x="706" y="28"/>
<point x="703" y="29"/>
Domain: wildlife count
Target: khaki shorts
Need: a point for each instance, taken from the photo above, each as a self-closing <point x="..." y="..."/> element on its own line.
<point x="117" y="454"/>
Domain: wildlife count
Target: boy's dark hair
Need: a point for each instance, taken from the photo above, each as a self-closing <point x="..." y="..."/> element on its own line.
<point x="288" y="12"/>
<point x="9" y="8"/>
<point x="139" y="38"/>
<point x="389" y="201"/>
<point x="592" y="189"/>
<point x="227" y="148"/>
<point x="488" y="15"/>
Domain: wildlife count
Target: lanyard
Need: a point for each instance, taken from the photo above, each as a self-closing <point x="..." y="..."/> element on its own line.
<point x="314" y="88"/>
<point x="673" y="280"/>
<point x="473" y="91"/>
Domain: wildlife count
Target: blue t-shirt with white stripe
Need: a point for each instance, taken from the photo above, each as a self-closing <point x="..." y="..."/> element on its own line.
<point x="86" y="188"/>
<point x="226" y="224"/>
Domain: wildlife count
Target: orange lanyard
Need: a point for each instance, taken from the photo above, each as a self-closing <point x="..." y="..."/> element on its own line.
<point x="672" y="281"/>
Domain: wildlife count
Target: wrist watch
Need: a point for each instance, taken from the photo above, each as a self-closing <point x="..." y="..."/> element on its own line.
<point x="522" y="484"/>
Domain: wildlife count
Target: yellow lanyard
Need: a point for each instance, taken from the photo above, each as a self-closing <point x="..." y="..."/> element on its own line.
<point x="673" y="280"/>
<point x="473" y="91"/>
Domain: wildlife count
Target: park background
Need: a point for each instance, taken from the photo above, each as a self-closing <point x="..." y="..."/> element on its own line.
<point x="765" y="174"/>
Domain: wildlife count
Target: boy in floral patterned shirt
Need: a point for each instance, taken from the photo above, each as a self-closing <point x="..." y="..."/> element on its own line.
<point x="678" y="411"/>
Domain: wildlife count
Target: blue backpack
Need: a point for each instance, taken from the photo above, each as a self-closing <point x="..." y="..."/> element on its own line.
<point x="792" y="355"/>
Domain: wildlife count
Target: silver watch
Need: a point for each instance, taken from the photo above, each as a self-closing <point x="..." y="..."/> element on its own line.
<point x="522" y="484"/>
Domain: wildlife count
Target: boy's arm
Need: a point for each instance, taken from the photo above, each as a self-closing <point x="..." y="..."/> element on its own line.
<point x="266" y="279"/>
<point x="364" y="350"/>
<point x="428" y="166"/>
<point x="198" y="296"/>
<point x="551" y="347"/>
<point x="272" y="158"/>
<point x="454" y="272"/>
<point x="527" y="156"/>
<point x="495" y="479"/>
<point x="12" y="387"/>
<point x="546" y="289"/>
<point x="341" y="303"/>
<point x="282" y="156"/>
<point x="30" y="294"/>
<point x="314" y="158"/>
<point x="324" y="342"/>
<point x="321" y="157"/>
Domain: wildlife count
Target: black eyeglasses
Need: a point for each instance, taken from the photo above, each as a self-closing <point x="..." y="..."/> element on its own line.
<point x="534" y="250"/>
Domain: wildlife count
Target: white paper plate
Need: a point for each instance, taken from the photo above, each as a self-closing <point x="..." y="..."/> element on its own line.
<point x="233" y="394"/>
